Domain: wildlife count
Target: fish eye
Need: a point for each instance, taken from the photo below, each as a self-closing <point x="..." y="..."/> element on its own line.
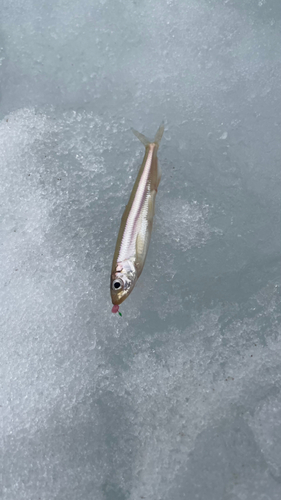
<point x="117" y="284"/>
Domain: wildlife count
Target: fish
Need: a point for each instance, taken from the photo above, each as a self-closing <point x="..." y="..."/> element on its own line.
<point x="136" y="224"/>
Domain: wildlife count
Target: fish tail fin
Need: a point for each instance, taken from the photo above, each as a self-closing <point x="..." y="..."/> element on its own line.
<point x="159" y="133"/>
<point x="147" y="141"/>
<point x="141" y="137"/>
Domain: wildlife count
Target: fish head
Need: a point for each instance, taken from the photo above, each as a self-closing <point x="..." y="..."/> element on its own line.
<point x="122" y="282"/>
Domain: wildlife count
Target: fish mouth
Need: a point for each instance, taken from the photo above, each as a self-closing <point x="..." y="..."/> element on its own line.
<point x="117" y="300"/>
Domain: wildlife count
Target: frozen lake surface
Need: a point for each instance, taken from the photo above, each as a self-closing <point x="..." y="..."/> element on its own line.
<point x="181" y="397"/>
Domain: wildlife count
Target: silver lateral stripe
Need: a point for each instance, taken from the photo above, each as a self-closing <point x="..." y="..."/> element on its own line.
<point x="128" y="245"/>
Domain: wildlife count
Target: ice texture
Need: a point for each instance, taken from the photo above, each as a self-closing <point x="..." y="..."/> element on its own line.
<point x="181" y="397"/>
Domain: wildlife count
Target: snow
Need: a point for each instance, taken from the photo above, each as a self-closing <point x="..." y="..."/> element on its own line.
<point x="180" y="397"/>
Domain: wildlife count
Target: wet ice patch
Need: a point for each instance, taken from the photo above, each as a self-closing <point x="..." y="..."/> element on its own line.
<point x="265" y="423"/>
<point x="182" y="383"/>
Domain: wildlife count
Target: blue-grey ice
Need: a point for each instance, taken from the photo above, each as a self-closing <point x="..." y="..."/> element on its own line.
<point x="181" y="397"/>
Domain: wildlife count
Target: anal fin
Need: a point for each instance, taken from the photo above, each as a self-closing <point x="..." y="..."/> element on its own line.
<point x="159" y="173"/>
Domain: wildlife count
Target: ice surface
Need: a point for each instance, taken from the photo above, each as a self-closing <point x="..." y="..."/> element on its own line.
<point x="181" y="397"/>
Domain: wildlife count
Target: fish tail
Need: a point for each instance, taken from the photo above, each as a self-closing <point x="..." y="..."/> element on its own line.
<point x="147" y="141"/>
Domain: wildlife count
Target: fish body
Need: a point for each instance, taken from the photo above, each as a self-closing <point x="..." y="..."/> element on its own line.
<point x="136" y="224"/>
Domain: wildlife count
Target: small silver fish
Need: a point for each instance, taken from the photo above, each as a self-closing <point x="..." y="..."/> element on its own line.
<point x="136" y="224"/>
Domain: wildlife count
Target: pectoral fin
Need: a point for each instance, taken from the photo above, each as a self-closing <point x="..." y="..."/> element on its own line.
<point x="151" y="205"/>
<point x="140" y="245"/>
